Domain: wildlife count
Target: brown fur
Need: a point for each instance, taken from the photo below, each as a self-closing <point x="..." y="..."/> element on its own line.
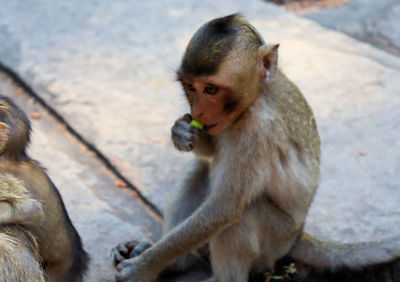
<point x="249" y="189"/>
<point x="16" y="205"/>
<point x="24" y="184"/>
<point x="19" y="256"/>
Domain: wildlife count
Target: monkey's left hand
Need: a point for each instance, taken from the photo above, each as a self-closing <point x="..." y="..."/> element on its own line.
<point x="135" y="269"/>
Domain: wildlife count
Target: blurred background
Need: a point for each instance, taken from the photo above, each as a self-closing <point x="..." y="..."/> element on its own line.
<point x="97" y="79"/>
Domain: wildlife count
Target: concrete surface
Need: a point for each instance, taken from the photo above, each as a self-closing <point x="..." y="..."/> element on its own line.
<point x="375" y="22"/>
<point x="108" y="69"/>
<point x="103" y="214"/>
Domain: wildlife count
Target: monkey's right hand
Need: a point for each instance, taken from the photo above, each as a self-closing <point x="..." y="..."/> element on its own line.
<point x="128" y="250"/>
<point x="183" y="134"/>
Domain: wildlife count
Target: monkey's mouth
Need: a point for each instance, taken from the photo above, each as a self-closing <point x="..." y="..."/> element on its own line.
<point x="210" y="126"/>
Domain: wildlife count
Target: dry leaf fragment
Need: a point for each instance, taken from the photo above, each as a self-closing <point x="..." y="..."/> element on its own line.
<point x="19" y="90"/>
<point x="121" y="184"/>
<point x="36" y="115"/>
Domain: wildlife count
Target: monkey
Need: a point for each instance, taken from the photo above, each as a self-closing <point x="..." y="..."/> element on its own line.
<point x="32" y="213"/>
<point x="256" y="169"/>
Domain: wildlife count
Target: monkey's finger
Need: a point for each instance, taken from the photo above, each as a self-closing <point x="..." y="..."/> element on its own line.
<point x="182" y="135"/>
<point x="182" y="125"/>
<point x="124" y="265"/>
<point x="126" y="273"/>
<point x="187" y="127"/>
<point x="121" y="248"/>
<point x="122" y="277"/>
<point x="182" y="145"/>
<point x="131" y="244"/>
<point x="139" y="249"/>
<point x="187" y="118"/>
<point x="185" y="130"/>
<point x="117" y="258"/>
<point x="119" y="253"/>
<point x="195" y="131"/>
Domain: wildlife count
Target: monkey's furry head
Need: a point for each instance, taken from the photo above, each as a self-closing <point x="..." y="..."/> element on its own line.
<point x="15" y="129"/>
<point x="214" y="40"/>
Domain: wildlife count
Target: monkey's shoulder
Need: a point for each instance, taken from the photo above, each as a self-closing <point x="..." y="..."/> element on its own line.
<point x="288" y="98"/>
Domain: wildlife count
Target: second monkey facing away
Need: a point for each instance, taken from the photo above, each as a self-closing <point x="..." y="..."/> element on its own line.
<point x="248" y="191"/>
<point x="37" y="239"/>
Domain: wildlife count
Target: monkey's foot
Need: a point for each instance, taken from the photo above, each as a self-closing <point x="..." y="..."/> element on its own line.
<point x="128" y="250"/>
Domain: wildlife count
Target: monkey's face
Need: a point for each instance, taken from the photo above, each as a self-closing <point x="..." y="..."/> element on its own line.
<point x="14" y="128"/>
<point x="218" y="100"/>
<point x="209" y="101"/>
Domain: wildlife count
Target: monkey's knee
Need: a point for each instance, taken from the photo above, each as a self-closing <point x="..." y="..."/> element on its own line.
<point x="183" y="263"/>
<point x="18" y="261"/>
<point x="197" y="259"/>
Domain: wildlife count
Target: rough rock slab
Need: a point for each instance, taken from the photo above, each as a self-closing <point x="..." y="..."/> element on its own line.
<point x="376" y="22"/>
<point x="108" y="69"/>
<point x="103" y="214"/>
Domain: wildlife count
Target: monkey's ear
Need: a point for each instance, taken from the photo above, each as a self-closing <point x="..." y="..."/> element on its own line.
<point x="268" y="62"/>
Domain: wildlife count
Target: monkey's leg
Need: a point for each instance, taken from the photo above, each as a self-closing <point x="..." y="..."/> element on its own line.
<point x="234" y="250"/>
<point x="18" y="261"/>
<point x="190" y="193"/>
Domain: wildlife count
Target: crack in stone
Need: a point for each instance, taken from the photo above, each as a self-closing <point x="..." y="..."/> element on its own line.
<point x="99" y="155"/>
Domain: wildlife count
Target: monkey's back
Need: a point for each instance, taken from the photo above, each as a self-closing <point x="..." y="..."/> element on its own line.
<point x="298" y="116"/>
<point x="288" y="129"/>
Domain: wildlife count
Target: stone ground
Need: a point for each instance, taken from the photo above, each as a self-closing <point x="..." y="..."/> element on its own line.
<point x="106" y="70"/>
<point x="374" y="22"/>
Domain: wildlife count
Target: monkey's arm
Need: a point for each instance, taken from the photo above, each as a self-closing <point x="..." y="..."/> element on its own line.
<point x="222" y="208"/>
<point x="212" y="217"/>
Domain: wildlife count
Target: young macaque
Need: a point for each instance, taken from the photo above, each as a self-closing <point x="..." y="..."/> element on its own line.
<point x="33" y="221"/>
<point x="248" y="191"/>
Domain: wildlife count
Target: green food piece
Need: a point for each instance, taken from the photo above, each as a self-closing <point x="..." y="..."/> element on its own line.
<point x="196" y="124"/>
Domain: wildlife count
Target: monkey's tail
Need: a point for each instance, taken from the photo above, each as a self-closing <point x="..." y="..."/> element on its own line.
<point x="333" y="255"/>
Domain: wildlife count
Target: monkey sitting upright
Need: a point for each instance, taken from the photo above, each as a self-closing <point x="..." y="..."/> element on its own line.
<point x="33" y="219"/>
<point x="256" y="171"/>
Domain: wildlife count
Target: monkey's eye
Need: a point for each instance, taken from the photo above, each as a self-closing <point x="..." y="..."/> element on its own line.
<point x="211" y="89"/>
<point x="189" y="87"/>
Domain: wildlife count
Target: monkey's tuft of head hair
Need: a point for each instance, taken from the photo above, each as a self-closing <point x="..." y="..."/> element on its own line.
<point x="19" y="128"/>
<point x="213" y="41"/>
